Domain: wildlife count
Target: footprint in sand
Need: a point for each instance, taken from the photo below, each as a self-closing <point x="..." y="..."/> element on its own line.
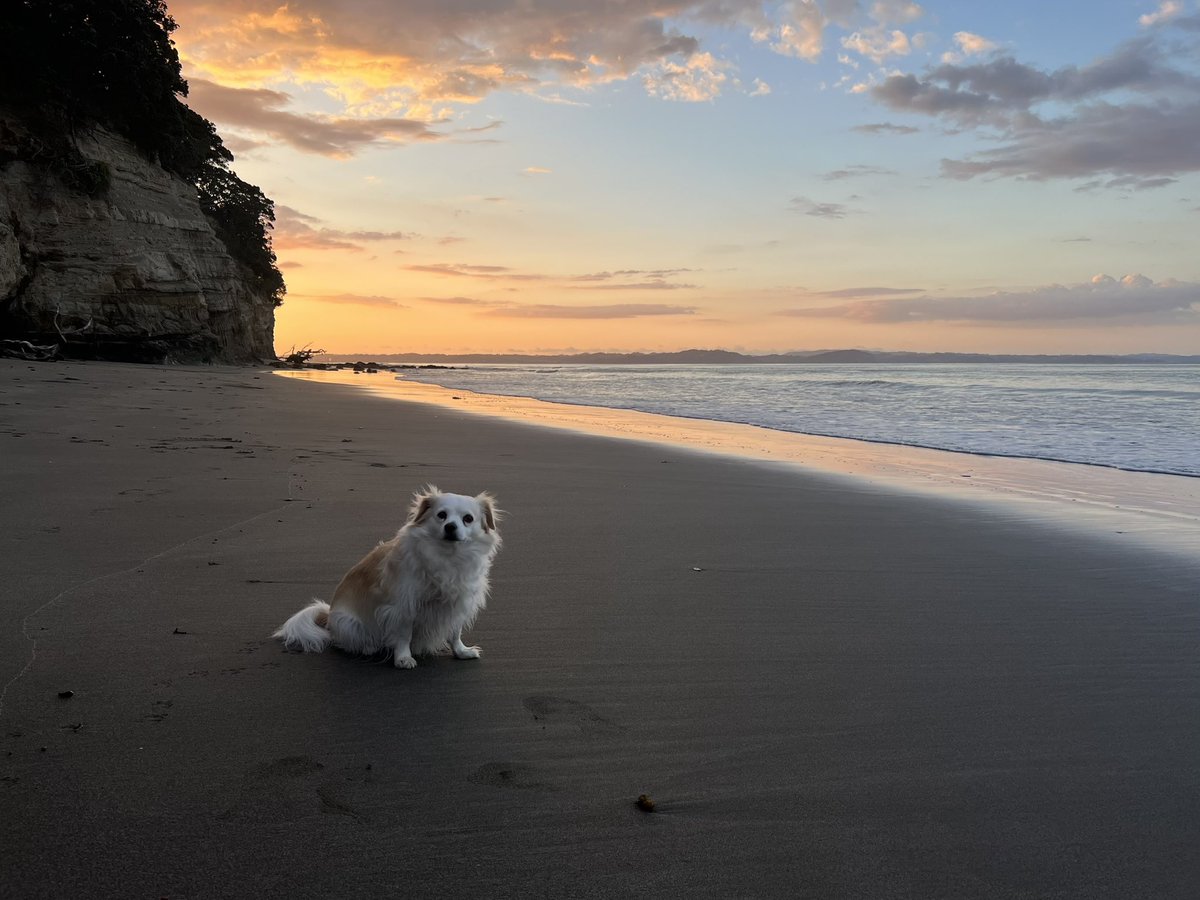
<point x="287" y="789"/>
<point x="159" y="710"/>
<point x="285" y="767"/>
<point x="564" y="711"/>
<point x="331" y="806"/>
<point x="508" y="775"/>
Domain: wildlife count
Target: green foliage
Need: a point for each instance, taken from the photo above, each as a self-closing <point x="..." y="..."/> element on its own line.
<point x="111" y="62"/>
<point x="87" y="176"/>
<point x="243" y="217"/>
<point x="67" y="65"/>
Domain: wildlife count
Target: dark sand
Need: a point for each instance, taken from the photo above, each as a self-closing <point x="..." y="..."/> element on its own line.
<point x="859" y="693"/>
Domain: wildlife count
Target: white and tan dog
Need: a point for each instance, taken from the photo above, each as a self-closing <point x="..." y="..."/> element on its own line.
<point x="415" y="593"/>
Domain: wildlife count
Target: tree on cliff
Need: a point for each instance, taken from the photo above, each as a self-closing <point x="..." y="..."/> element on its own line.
<point x="67" y="65"/>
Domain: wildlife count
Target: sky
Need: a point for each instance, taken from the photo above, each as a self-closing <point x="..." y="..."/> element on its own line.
<point x="655" y="175"/>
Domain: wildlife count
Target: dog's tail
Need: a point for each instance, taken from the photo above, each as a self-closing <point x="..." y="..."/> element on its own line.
<point x="307" y="630"/>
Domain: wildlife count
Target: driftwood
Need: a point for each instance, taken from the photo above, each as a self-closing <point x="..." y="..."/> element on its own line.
<point x="21" y="349"/>
<point x="26" y="350"/>
<point x="65" y="336"/>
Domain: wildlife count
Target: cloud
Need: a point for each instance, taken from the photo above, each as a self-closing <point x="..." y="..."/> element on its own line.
<point x="997" y="89"/>
<point x="613" y="311"/>
<point x="657" y="274"/>
<point x="972" y="44"/>
<point x="761" y="89"/>
<point x="856" y="172"/>
<point x="261" y="110"/>
<point x="969" y="44"/>
<point x="417" y="57"/>
<point x="1131" y="182"/>
<point x="638" y="286"/>
<point x="800" y="33"/>
<point x="1168" y="9"/>
<point x="887" y="12"/>
<point x="621" y="279"/>
<point x="295" y="230"/>
<point x="403" y="60"/>
<point x="699" y="78"/>
<point x="1142" y="145"/>
<point x="860" y="292"/>
<point x="536" y="170"/>
<point x="239" y="144"/>
<point x="885" y="128"/>
<point x="877" y="45"/>
<point x="457" y="301"/>
<point x="468" y="270"/>
<point x="820" y="210"/>
<point x="352" y="299"/>
<point x="799" y="28"/>
<point x="1102" y="301"/>
<point x="878" y="41"/>
<point x="464" y="301"/>
<point x="1133" y="114"/>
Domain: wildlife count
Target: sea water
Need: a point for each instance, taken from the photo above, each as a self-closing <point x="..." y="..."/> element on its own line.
<point x="1136" y="417"/>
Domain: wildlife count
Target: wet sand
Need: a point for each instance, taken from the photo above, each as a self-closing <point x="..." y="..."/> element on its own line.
<point x="829" y="687"/>
<point x="1159" y="511"/>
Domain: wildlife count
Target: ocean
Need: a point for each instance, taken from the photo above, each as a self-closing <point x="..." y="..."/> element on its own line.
<point x="1143" y="418"/>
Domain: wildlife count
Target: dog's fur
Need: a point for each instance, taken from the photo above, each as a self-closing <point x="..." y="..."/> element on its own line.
<point x="415" y="593"/>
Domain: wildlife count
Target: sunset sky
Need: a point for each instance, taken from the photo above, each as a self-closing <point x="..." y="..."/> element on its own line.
<point x="521" y="175"/>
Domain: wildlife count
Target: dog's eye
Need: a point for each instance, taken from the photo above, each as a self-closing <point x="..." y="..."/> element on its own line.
<point x="442" y="514"/>
<point x="468" y="519"/>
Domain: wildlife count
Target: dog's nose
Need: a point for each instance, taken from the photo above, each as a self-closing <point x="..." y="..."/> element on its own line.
<point x="451" y="529"/>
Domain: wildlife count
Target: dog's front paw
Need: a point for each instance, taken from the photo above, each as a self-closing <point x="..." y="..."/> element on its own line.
<point x="468" y="652"/>
<point x="405" y="662"/>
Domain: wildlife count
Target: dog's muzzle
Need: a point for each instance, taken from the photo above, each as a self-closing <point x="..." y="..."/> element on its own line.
<point x="450" y="532"/>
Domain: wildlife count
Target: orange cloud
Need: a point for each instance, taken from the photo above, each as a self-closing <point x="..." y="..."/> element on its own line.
<point x="624" y="279"/>
<point x="295" y="230"/>
<point x="262" y="110"/>
<point x="404" y="59"/>
<point x="352" y="300"/>
<point x="611" y="311"/>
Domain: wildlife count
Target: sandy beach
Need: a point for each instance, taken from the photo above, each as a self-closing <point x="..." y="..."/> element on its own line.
<point x="830" y="687"/>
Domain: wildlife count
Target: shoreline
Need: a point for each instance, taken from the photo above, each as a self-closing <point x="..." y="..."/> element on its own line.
<point x="1160" y="511"/>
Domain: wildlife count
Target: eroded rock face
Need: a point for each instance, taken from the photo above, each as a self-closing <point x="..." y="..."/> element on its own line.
<point x="139" y="261"/>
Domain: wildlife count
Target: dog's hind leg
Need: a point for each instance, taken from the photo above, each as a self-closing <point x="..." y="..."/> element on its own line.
<point x="351" y="634"/>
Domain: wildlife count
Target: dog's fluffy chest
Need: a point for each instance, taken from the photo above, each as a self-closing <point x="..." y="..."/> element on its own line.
<point x="448" y="576"/>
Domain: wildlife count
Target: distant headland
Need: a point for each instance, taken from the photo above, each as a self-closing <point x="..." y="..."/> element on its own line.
<point x="729" y="357"/>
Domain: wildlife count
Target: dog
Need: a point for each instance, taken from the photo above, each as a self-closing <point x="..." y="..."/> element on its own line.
<point x="414" y="594"/>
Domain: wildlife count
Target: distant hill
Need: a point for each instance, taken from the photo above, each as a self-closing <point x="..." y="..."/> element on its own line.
<point x="729" y="357"/>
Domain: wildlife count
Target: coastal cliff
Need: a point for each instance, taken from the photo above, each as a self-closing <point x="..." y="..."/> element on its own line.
<point x="132" y="269"/>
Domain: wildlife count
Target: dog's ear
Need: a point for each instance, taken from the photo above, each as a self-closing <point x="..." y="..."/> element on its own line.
<point x="487" y="503"/>
<point x="422" y="501"/>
